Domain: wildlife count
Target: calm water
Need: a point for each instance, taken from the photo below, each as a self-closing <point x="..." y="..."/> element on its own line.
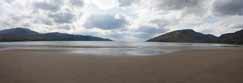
<point x="109" y="48"/>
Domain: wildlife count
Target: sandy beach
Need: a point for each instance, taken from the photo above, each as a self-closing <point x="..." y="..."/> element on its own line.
<point x="187" y="66"/>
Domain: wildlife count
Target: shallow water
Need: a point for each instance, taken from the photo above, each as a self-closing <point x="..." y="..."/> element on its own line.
<point x="110" y="48"/>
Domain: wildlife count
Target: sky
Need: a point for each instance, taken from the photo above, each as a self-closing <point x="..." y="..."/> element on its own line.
<point x="123" y="20"/>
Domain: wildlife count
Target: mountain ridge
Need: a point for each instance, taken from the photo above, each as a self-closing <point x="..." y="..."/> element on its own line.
<point x="232" y="38"/>
<point x="191" y="36"/>
<point x="183" y="36"/>
<point x="24" y="34"/>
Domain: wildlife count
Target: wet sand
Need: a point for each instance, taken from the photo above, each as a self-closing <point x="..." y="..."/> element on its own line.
<point x="188" y="66"/>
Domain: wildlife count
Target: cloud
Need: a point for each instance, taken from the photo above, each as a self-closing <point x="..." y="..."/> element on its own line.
<point x="77" y="2"/>
<point x="105" y="4"/>
<point x="228" y="7"/>
<point x="105" y="21"/>
<point x="146" y="31"/>
<point x="123" y="19"/>
<point x="240" y="26"/>
<point x="62" y="17"/>
<point x="50" y="6"/>
<point x="150" y="29"/>
<point x="9" y="1"/>
<point x="126" y="2"/>
<point x="178" y="4"/>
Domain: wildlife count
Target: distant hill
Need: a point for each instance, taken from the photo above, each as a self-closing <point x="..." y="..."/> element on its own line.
<point x="190" y="36"/>
<point x="187" y="35"/>
<point x="23" y="34"/>
<point x="232" y="38"/>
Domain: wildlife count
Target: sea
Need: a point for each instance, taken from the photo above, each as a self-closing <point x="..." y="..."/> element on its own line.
<point x="109" y="48"/>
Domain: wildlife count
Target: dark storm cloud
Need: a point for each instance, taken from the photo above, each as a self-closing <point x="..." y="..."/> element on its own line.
<point x="62" y="17"/>
<point x="105" y="22"/>
<point x="179" y="4"/>
<point x="228" y="7"/>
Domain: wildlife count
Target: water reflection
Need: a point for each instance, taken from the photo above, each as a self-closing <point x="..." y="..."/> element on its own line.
<point x="110" y="48"/>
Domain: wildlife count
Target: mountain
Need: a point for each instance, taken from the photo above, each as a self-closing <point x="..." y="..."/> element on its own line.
<point x="18" y="30"/>
<point x="68" y="37"/>
<point x="23" y="34"/>
<point x="18" y="34"/>
<point x="232" y="38"/>
<point x="187" y="35"/>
